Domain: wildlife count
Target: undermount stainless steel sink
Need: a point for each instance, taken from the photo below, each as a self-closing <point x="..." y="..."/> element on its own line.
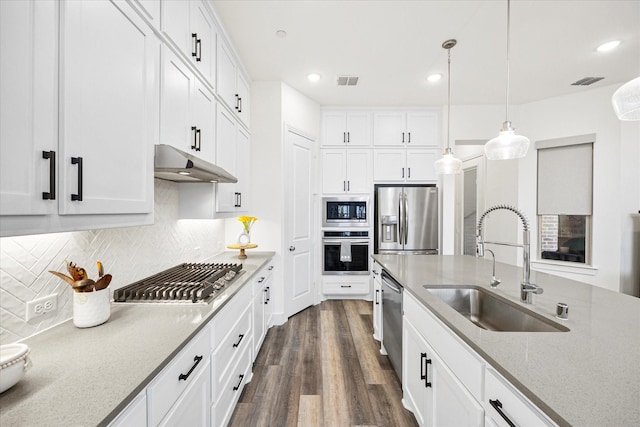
<point x="492" y="312"/>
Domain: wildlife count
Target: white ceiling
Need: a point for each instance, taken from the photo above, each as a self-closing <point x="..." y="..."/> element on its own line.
<point x="393" y="45"/>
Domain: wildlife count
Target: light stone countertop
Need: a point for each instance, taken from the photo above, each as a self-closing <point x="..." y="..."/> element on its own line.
<point x="85" y="377"/>
<point x="589" y="376"/>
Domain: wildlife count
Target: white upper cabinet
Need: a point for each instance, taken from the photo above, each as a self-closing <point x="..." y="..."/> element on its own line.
<point x="189" y="27"/>
<point x="149" y="10"/>
<point x="108" y="90"/>
<point x="346" y="171"/>
<point x="187" y="109"/>
<point x="401" y="165"/>
<point x="231" y="87"/>
<point x="346" y="128"/>
<point x="409" y="129"/>
<point x="28" y="107"/>
<point x="232" y="154"/>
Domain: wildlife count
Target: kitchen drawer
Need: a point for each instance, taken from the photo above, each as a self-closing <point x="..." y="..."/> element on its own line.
<point x="460" y="359"/>
<point x="515" y="406"/>
<point x="232" y="389"/>
<point x="345" y="285"/>
<point x="227" y="317"/>
<point x="225" y="355"/>
<point x="261" y="278"/>
<point x="167" y="387"/>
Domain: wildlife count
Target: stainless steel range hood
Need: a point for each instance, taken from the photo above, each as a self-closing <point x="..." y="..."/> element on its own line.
<point x="176" y="165"/>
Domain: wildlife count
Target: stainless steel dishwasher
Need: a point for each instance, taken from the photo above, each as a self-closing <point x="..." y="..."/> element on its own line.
<point x="392" y="321"/>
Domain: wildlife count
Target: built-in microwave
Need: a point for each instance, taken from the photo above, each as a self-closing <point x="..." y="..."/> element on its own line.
<point x="345" y="212"/>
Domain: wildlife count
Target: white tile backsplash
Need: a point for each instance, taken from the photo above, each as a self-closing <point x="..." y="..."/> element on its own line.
<point x="129" y="254"/>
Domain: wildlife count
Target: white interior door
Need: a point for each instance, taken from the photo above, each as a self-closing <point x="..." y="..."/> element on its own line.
<point x="298" y="216"/>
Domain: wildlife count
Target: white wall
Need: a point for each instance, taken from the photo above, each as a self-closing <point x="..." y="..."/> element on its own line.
<point x="616" y="173"/>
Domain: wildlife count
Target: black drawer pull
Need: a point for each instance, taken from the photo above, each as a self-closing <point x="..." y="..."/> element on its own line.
<point x="196" y="359"/>
<point x="497" y="405"/>
<point x="195" y="138"/>
<point x="409" y="137"/>
<point x="51" y="195"/>
<point x="270" y="267"/>
<point x="236" y="387"/>
<point x="260" y="280"/>
<point x="345" y="286"/>
<point x="78" y="161"/>
<point x="199" y="140"/>
<point x="268" y="289"/>
<point x="239" y="104"/>
<point x="239" y="340"/>
<point x="423" y="373"/>
<point x="265" y="298"/>
<point x="377" y="292"/>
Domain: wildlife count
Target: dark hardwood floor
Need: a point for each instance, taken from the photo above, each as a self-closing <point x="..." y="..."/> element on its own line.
<point x="323" y="368"/>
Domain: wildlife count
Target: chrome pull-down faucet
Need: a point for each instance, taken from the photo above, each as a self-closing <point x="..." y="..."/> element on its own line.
<point x="526" y="287"/>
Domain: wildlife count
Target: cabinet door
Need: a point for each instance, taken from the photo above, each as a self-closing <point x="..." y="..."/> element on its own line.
<point x="389" y="128"/>
<point x="205" y="38"/>
<point x="423" y="129"/>
<point x="377" y="302"/>
<point x="28" y="106"/>
<point x="226" y="75"/>
<point x="243" y="169"/>
<point x="193" y="408"/>
<point x="226" y="198"/>
<point x="358" y="128"/>
<point x="415" y="373"/>
<point x="243" y="106"/>
<point x="334" y="128"/>
<point x="358" y="171"/>
<point x="108" y="63"/>
<point x="334" y="166"/>
<point x="175" y="24"/>
<point x="268" y="287"/>
<point x="453" y="404"/>
<point x="420" y="165"/>
<point x="259" y="303"/>
<point x="176" y="92"/>
<point x="203" y="118"/>
<point x="389" y="165"/>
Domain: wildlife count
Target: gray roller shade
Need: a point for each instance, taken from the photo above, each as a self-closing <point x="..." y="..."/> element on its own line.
<point x="565" y="176"/>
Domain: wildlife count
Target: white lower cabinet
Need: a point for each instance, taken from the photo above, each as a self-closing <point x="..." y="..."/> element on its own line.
<point x="192" y="408"/>
<point x="435" y="395"/>
<point x="261" y="306"/>
<point x="187" y="374"/>
<point x="377" y="301"/>
<point x="506" y="406"/>
<point x="134" y="415"/>
<point x="342" y="286"/>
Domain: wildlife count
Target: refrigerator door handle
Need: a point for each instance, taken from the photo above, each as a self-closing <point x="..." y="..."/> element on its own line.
<point x="400" y="219"/>
<point x="406" y="218"/>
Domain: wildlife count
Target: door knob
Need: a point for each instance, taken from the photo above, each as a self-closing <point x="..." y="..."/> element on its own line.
<point x="292" y="248"/>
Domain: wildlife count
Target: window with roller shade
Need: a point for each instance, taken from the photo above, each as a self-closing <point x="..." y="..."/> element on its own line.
<point x="565" y="198"/>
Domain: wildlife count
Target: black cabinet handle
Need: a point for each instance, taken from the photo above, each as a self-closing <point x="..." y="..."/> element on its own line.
<point x="237" y="107"/>
<point x="237" y="205"/>
<point x="199" y="50"/>
<point x="409" y="141"/>
<point x="237" y="386"/>
<point x="424" y="374"/>
<point x="270" y="267"/>
<point x="344" y="137"/>
<point x="239" y="104"/>
<point x="78" y="161"/>
<point x="195" y="141"/>
<point x="403" y="172"/>
<point x="268" y="293"/>
<point x="197" y="360"/>
<point x="348" y="185"/>
<point x="377" y="293"/>
<point x="196" y="46"/>
<point x="403" y="137"/>
<point x="240" y="199"/>
<point x="348" y="137"/>
<point x="239" y="340"/>
<point x="345" y="286"/>
<point x="260" y="280"/>
<point x="497" y="405"/>
<point x="408" y="172"/>
<point x="51" y="156"/>
<point x="265" y="298"/>
<point x="198" y="140"/>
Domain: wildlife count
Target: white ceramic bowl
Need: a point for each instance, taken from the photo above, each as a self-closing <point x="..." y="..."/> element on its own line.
<point x="13" y="363"/>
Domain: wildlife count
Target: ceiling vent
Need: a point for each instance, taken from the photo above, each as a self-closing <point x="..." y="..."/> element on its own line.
<point x="347" y="80"/>
<point x="587" y="81"/>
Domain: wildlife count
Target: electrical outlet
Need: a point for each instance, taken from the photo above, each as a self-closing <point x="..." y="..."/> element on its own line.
<point x="41" y="306"/>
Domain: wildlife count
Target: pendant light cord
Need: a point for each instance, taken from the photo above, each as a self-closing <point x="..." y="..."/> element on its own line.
<point x="508" y="33"/>
<point x="448" y="98"/>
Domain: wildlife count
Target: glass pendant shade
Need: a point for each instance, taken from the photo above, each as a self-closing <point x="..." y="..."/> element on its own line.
<point x="448" y="164"/>
<point x="626" y="100"/>
<point x="507" y="145"/>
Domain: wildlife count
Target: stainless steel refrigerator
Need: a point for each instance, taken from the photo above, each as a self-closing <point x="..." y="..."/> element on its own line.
<point x="406" y="219"/>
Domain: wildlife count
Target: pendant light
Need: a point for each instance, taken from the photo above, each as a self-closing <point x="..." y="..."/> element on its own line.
<point x="507" y="145"/>
<point x="626" y="100"/>
<point x="448" y="164"/>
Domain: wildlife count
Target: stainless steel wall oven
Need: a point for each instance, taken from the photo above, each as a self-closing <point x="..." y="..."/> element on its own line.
<point x="345" y="252"/>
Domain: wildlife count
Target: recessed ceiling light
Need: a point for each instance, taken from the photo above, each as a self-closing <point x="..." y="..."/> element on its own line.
<point x="605" y="47"/>
<point x="281" y="34"/>
<point x="313" y="77"/>
<point x="184" y="173"/>
<point x="434" y="77"/>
